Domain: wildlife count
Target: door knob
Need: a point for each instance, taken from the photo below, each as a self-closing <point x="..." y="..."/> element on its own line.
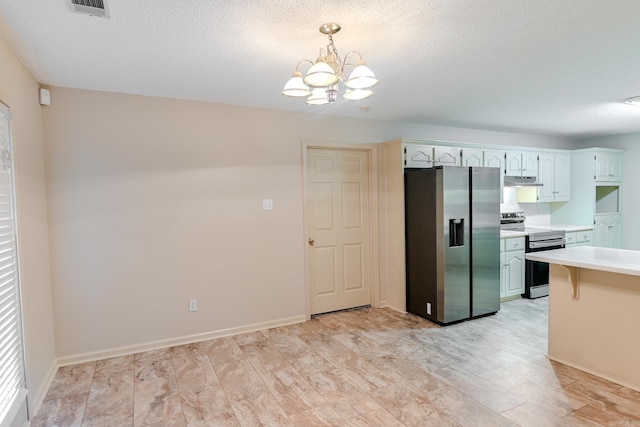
<point x="311" y="242"/>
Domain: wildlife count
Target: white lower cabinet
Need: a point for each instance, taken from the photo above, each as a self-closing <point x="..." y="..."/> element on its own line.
<point x="512" y="272"/>
<point x="579" y="238"/>
<point x="607" y="230"/>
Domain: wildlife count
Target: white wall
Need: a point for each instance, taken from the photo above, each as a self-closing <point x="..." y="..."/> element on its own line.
<point x="19" y="90"/>
<point x="155" y="201"/>
<point x="631" y="182"/>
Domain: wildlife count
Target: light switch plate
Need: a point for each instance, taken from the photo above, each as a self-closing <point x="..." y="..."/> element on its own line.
<point x="267" y="204"/>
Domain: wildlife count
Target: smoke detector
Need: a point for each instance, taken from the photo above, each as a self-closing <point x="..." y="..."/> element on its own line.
<point x="90" y="7"/>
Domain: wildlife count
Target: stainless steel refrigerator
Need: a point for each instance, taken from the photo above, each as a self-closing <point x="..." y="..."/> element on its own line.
<point x="452" y="233"/>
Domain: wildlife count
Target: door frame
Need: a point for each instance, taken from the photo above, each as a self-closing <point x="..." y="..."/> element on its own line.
<point x="372" y="159"/>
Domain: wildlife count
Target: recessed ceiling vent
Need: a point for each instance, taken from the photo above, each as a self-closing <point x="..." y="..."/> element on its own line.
<point x="91" y="7"/>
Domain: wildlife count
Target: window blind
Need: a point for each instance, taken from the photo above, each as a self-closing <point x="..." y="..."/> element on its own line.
<point x="12" y="378"/>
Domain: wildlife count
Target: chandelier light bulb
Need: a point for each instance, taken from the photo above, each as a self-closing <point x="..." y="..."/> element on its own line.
<point x="295" y="87"/>
<point x="357" y="94"/>
<point x="318" y="97"/>
<point x="361" y="77"/>
<point x="320" y="75"/>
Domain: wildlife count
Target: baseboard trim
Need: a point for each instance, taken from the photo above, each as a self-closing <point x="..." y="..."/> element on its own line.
<point x="394" y="308"/>
<point x="38" y="397"/>
<point x="599" y="375"/>
<point x="188" y="339"/>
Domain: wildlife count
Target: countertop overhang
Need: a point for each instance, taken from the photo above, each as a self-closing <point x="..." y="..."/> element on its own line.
<point x="621" y="261"/>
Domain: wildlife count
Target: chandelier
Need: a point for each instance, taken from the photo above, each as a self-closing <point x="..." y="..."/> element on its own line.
<point x="321" y="83"/>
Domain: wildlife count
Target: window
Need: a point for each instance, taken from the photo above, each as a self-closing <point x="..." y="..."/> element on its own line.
<point x="12" y="378"/>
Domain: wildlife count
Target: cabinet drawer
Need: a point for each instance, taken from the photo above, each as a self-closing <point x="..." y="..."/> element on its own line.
<point x="514" y="244"/>
<point x="571" y="238"/>
<point x="584" y="236"/>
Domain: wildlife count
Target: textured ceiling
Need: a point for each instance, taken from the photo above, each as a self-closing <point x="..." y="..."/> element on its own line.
<point x="554" y="67"/>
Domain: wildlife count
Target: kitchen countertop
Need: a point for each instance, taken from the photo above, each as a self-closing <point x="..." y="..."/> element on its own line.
<point x="566" y="227"/>
<point x="621" y="261"/>
<point x="569" y="228"/>
<point x="511" y="233"/>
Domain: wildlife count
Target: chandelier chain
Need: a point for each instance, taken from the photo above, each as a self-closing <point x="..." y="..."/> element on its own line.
<point x="335" y="52"/>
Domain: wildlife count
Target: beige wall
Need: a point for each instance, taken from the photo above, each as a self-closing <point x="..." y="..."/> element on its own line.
<point x="153" y="202"/>
<point x="19" y="90"/>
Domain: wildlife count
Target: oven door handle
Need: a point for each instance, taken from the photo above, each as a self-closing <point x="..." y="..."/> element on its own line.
<point x="547" y="244"/>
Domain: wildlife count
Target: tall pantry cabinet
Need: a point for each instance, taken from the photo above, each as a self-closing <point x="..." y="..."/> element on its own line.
<point x="596" y="191"/>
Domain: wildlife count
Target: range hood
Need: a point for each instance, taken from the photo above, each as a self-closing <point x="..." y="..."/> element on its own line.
<point x="521" y="181"/>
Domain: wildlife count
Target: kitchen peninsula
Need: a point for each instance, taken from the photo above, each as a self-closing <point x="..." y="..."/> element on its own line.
<point x="594" y="313"/>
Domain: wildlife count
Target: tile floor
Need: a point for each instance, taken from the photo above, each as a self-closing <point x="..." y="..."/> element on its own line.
<point x="365" y="367"/>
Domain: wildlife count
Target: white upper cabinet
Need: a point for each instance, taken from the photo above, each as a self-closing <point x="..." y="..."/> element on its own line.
<point x="444" y="156"/>
<point x="608" y="167"/>
<point x="546" y="174"/>
<point x="472" y="157"/>
<point x="426" y="156"/>
<point x="514" y="163"/>
<point x="529" y="164"/>
<point x="522" y="163"/>
<point x="562" y="177"/>
<point x="495" y="159"/>
<point x="418" y="156"/>
<point x="554" y="173"/>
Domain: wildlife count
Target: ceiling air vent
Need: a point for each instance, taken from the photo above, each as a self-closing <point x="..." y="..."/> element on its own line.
<point x="91" y="7"/>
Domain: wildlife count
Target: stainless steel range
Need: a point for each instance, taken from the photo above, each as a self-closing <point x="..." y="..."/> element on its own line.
<point x="536" y="275"/>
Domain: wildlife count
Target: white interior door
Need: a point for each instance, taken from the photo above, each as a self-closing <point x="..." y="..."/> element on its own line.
<point x="338" y="229"/>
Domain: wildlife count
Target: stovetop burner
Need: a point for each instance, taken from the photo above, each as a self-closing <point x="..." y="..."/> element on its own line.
<point x="512" y="221"/>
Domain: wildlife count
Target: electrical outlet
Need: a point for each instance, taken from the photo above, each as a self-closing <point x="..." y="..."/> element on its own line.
<point x="428" y="308"/>
<point x="193" y="305"/>
<point x="267" y="204"/>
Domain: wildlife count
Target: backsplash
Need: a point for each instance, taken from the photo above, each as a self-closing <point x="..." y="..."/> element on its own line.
<point x="537" y="213"/>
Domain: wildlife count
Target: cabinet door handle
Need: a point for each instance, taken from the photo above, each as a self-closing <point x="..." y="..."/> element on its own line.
<point x="312" y="242"/>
